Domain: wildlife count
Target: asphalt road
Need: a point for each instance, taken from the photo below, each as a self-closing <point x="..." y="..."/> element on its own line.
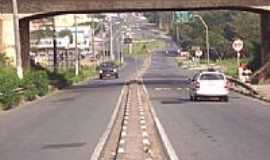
<point x="207" y="130"/>
<point x="64" y="126"/>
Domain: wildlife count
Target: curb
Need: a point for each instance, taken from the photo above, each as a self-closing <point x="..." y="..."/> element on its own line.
<point x="259" y="97"/>
<point x="251" y="92"/>
<point x="165" y="142"/>
<point x="102" y="141"/>
<point x="169" y="150"/>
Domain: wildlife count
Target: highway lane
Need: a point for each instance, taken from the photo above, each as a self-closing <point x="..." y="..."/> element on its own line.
<point x="206" y="130"/>
<point x="66" y="125"/>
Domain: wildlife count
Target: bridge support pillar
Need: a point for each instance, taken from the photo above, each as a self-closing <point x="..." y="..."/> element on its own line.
<point x="262" y="74"/>
<point x="25" y="42"/>
<point x="265" y="24"/>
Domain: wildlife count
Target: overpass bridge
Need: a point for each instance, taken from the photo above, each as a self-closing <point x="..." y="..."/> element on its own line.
<point x="34" y="9"/>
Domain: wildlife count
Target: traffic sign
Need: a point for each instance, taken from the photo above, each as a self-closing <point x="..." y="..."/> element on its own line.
<point x="238" y="45"/>
<point x="183" y="17"/>
<point x="128" y="40"/>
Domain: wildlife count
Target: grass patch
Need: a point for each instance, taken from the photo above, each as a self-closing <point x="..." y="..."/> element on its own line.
<point x="143" y="49"/>
<point x="229" y="65"/>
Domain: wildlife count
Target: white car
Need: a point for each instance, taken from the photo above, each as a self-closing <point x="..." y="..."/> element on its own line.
<point x="208" y="84"/>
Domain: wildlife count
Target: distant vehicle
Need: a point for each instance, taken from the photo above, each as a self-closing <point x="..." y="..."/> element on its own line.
<point x="208" y="84"/>
<point x="92" y="58"/>
<point x="108" y="69"/>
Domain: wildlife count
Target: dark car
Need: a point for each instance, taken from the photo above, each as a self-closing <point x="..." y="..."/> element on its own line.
<point x="108" y="69"/>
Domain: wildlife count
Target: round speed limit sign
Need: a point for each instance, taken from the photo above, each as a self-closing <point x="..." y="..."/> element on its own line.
<point x="198" y="53"/>
<point x="238" y="45"/>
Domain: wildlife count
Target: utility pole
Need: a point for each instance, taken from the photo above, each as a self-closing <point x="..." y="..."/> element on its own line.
<point x="121" y="48"/>
<point x="111" y="40"/>
<point x="93" y="38"/>
<point x="177" y="33"/>
<point x="206" y="37"/>
<point x="17" y="40"/>
<point x="77" y="56"/>
<point x="54" y="47"/>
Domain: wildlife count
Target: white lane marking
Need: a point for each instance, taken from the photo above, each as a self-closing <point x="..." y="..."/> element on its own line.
<point x="122" y="141"/>
<point x="143" y="127"/>
<point x="162" y="89"/>
<point x="146" y="142"/>
<point x="121" y="150"/>
<point x="142" y="122"/>
<point x="124" y="127"/>
<point x="144" y="134"/>
<point x="125" y="122"/>
<point x="123" y="134"/>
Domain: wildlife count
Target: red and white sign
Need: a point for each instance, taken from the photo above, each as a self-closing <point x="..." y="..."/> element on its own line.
<point x="198" y="53"/>
<point x="238" y="45"/>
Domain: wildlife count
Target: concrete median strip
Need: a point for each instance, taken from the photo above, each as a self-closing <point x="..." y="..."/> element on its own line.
<point x="134" y="131"/>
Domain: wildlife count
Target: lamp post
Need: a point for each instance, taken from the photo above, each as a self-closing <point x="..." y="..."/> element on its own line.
<point x="17" y="40"/>
<point x="55" y="67"/>
<point x="111" y="40"/>
<point x="77" y="56"/>
<point x="206" y="37"/>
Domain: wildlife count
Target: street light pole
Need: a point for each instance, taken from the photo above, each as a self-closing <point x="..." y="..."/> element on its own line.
<point x="93" y="38"/>
<point x="76" y="47"/>
<point x="206" y="38"/>
<point x="55" y="67"/>
<point x="111" y="40"/>
<point x="17" y="40"/>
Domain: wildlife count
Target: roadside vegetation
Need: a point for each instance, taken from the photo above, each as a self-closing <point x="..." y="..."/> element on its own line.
<point x="141" y="50"/>
<point x="228" y="66"/>
<point x="37" y="82"/>
<point x="224" y="27"/>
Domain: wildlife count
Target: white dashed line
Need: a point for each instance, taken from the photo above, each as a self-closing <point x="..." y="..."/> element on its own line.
<point x="146" y="142"/>
<point x="123" y="134"/>
<point x="143" y="127"/>
<point x="121" y="150"/>
<point x="144" y="134"/>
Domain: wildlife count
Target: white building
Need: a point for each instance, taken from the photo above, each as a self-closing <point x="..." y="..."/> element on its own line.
<point x="84" y="38"/>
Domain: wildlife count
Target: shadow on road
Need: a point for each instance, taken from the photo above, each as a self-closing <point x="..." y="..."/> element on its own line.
<point x="64" y="145"/>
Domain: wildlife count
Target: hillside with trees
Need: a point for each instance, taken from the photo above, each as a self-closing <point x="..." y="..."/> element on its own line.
<point x="224" y="27"/>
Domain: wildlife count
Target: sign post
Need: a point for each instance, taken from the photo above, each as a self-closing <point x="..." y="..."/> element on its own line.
<point x="238" y="45"/>
<point x="198" y="54"/>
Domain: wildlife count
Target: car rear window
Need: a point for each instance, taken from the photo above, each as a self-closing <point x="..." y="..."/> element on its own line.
<point x="212" y="77"/>
<point x="107" y="65"/>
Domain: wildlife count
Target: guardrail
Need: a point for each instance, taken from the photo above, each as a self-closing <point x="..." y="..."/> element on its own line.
<point x="242" y="85"/>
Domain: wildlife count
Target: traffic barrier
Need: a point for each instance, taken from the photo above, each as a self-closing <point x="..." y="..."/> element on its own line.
<point x="245" y="86"/>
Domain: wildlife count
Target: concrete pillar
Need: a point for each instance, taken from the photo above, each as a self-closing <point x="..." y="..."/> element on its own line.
<point x="24" y="25"/>
<point x="8" y="40"/>
<point x="265" y="25"/>
<point x="1" y="35"/>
